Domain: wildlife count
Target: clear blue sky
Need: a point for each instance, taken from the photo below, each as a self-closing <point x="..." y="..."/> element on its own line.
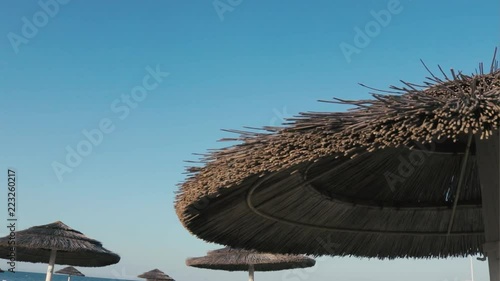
<point x="248" y="66"/>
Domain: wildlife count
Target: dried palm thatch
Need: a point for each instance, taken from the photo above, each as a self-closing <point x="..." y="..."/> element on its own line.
<point x="73" y="247"/>
<point x="248" y="260"/>
<point x="70" y="271"/>
<point x="396" y="176"/>
<point x="155" y="275"/>
<point x="239" y="260"/>
<point x="57" y="243"/>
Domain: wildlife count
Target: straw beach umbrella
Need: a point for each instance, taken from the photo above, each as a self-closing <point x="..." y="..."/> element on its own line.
<point x="57" y="243"/>
<point x="70" y="271"/>
<point x="244" y="260"/>
<point x="412" y="173"/>
<point x="156" y="275"/>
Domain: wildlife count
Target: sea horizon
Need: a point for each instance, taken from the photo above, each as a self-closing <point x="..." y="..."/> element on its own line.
<point x="37" y="276"/>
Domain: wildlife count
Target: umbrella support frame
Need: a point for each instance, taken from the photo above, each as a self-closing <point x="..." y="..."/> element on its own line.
<point x="50" y="268"/>
<point x="251" y="271"/>
<point x="492" y="251"/>
<point x="488" y="160"/>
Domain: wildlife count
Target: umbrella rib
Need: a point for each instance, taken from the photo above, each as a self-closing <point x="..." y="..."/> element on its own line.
<point x="460" y="182"/>
<point x="338" y="229"/>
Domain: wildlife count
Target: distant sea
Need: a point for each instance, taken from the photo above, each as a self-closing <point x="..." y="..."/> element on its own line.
<point x="30" y="276"/>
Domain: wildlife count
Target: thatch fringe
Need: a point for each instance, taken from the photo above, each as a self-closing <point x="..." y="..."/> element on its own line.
<point x="74" y="248"/>
<point x="239" y="260"/>
<point x="439" y="114"/>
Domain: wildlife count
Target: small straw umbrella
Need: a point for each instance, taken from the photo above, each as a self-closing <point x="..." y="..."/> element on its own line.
<point x="70" y="271"/>
<point x="411" y="173"/>
<point x="156" y="275"/>
<point x="229" y="259"/>
<point x="57" y="243"/>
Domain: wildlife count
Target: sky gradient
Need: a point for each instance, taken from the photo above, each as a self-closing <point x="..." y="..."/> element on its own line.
<point x="231" y="63"/>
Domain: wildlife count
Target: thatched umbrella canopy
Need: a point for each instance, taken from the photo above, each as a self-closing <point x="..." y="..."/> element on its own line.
<point x="229" y="259"/>
<point x="57" y="243"/>
<point x="70" y="271"/>
<point x="156" y="275"/>
<point x="412" y="173"/>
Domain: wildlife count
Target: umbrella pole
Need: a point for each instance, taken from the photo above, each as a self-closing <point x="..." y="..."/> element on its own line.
<point x="52" y="261"/>
<point x="488" y="158"/>
<point x="250" y="272"/>
<point x="69" y="278"/>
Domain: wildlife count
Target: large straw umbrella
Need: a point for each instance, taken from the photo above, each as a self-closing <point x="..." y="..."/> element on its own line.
<point x="156" y="275"/>
<point x="412" y="173"/>
<point x="70" y="271"/>
<point x="247" y="260"/>
<point x="57" y="243"/>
